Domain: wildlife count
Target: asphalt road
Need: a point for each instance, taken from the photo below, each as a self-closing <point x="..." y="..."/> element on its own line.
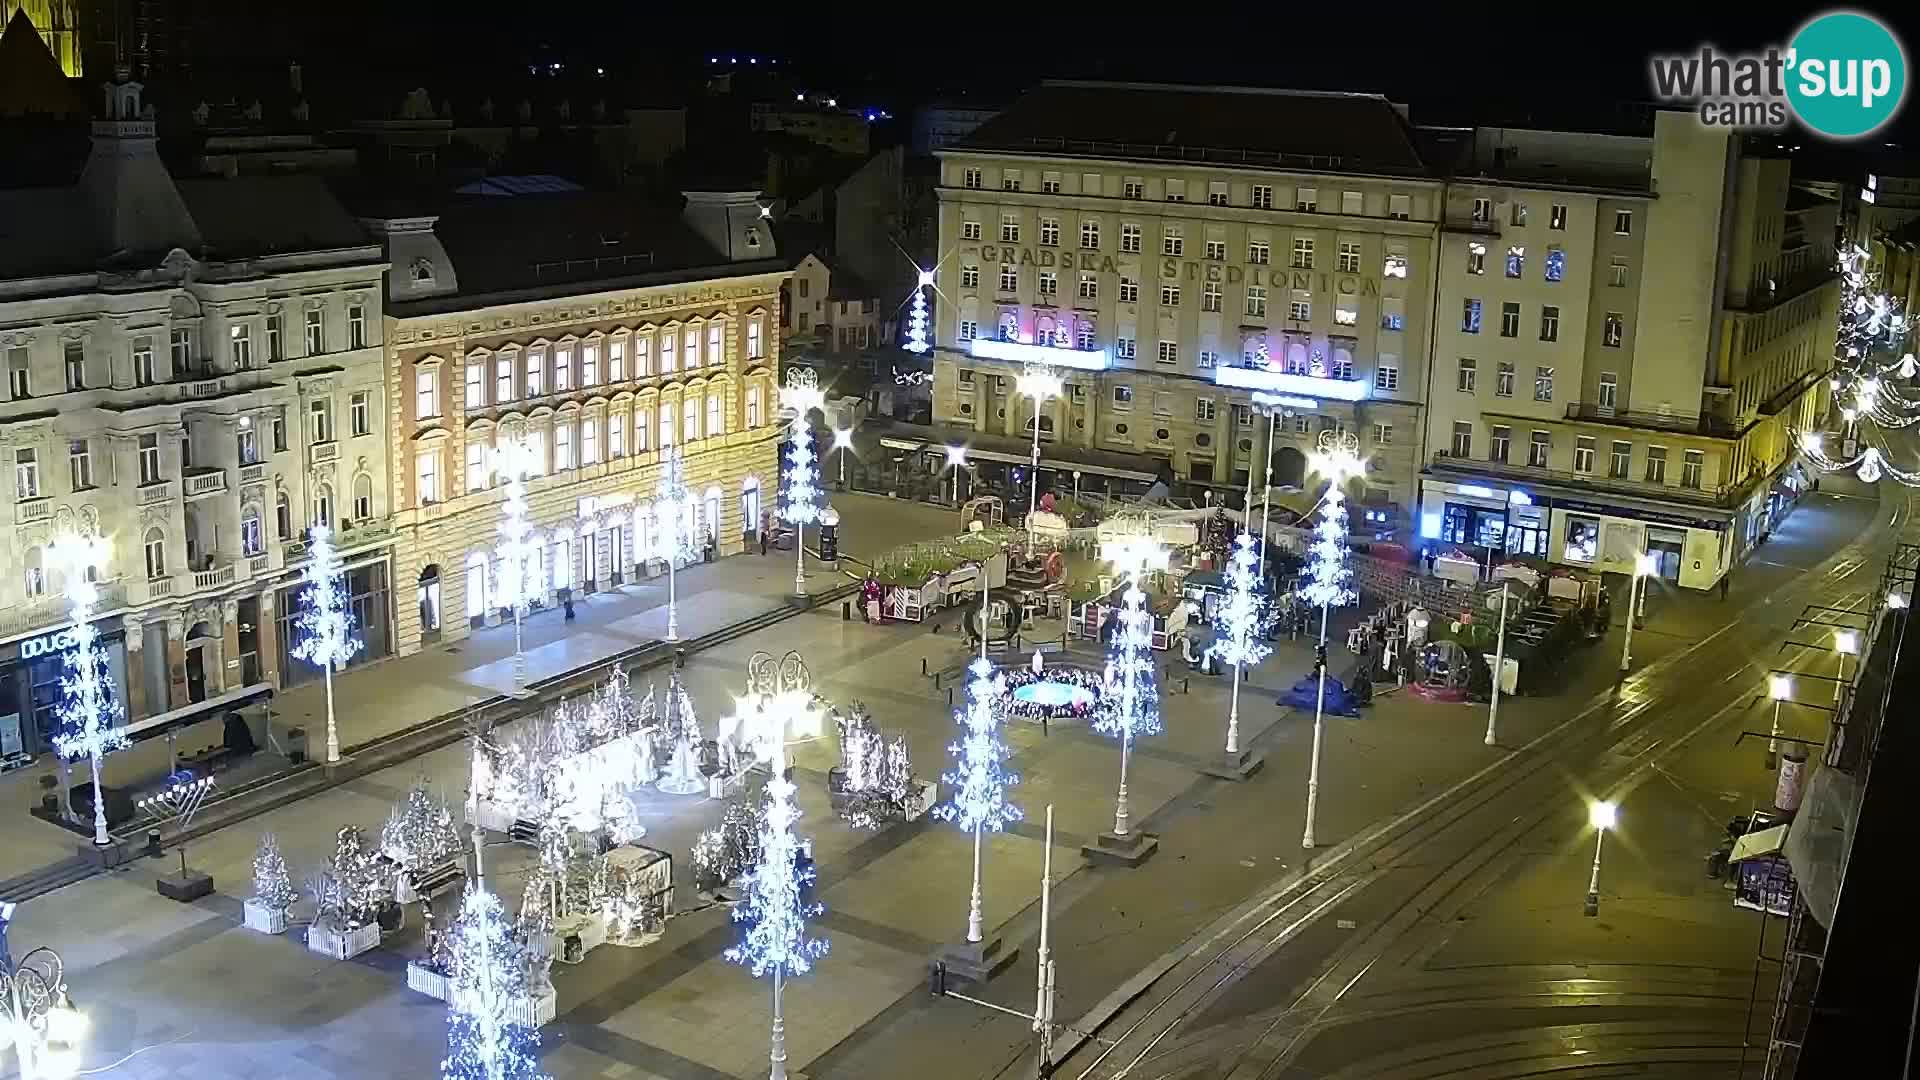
<point x="1452" y="943"/>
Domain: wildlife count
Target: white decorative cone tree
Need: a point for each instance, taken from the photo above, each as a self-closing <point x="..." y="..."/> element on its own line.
<point x="325" y="625"/>
<point x="1240" y="619"/>
<point x="1130" y="706"/>
<point x="800" y="501"/>
<point x="917" y="341"/>
<point x="1330" y="583"/>
<point x="979" y="780"/>
<point x="676" y="540"/>
<point x="90" y="717"/>
<point x="680" y="731"/>
<point x="485" y="985"/>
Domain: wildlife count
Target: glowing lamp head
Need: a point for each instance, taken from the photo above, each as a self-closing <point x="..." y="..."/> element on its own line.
<point x="1039" y="383"/>
<point x="843" y="438"/>
<point x="926" y="278"/>
<point x="1897" y="600"/>
<point x="956" y="456"/>
<point x="1644" y="563"/>
<point x="1846" y="642"/>
<point x="1603" y="815"/>
<point x="1780" y="687"/>
<point x="1810" y="442"/>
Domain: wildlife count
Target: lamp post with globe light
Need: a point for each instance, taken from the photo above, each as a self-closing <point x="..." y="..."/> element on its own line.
<point x="1602" y="816"/>
<point x="1039" y="383"/>
<point x="1274" y="408"/>
<point x="956" y="460"/>
<point x="1338" y="460"/>
<point x="1845" y="643"/>
<point x="1780" y="689"/>
<point x="843" y="442"/>
<point x="1643" y="567"/>
<point x="800" y="396"/>
<point x="89" y="713"/>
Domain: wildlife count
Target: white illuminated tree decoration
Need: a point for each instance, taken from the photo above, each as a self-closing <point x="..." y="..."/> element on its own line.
<point x="1130" y="704"/>
<point x="487" y="981"/>
<point x="519" y="555"/>
<point x="1331" y="580"/>
<point x="1241" y="620"/>
<point x="776" y="908"/>
<point x="917" y="341"/>
<point x="801" y="505"/>
<point x="325" y="624"/>
<point x="680" y="733"/>
<point x="676" y="539"/>
<point x="90" y="715"/>
<point x="979" y="780"/>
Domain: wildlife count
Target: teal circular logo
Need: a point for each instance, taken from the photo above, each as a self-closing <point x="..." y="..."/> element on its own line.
<point x="1847" y="75"/>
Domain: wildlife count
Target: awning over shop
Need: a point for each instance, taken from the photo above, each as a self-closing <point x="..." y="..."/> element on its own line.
<point x="168" y="722"/>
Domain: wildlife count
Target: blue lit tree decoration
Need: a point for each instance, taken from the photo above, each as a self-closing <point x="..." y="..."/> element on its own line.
<point x="917" y="342"/>
<point x="1130" y="705"/>
<point x="90" y="716"/>
<point x="676" y="540"/>
<point x="1241" y="619"/>
<point x="979" y="780"/>
<point x="325" y="623"/>
<point x="777" y="907"/>
<point x="801" y="506"/>
<point x="487" y="981"/>
<point x="1331" y="582"/>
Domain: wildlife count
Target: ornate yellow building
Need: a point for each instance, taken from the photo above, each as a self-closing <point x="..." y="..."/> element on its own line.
<point x="57" y="22"/>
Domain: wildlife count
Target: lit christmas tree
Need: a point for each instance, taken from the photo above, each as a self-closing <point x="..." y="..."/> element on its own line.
<point x="680" y="734"/>
<point x="1241" y="620"/>
<point x="800" y="505"/>
<point x="420" y="833"/>
<point x="1130" y="705"/>
<point x="1871" y="350"/>
<point x="486" y="984"/>
<point x="676" y="538"/>
<point x="917" y="342"/>
<point x="979" y="780"/>
<point x="519" y="555"/>
<point x="272" y="885"/>
<point x="325" y="624"/>
<point x="90" y="717"/>
<point x="1331" y="579"/>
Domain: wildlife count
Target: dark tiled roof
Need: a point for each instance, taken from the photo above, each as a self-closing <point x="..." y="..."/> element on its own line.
<point x="46" y="231"/>
<point x="250" y="216"/>
<point x="31" y="82"/>
<point x="1361" y="133"/>
<point x="533" y="242"/>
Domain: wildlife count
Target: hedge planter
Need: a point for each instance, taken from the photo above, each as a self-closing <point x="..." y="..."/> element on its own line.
<point x="343" y="944"/>
<point x="530" y="1012"/>
<point x="257" y="916"/>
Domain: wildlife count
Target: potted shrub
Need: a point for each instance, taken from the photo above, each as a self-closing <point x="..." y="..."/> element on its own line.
<point x="273" y="892"/>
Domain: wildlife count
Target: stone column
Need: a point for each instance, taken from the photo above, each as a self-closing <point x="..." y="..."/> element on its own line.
<point x="176" y="662"/>
<point x="268" y="636"/>
<point x="136" y="687"/>
<point x="231" y="676"/>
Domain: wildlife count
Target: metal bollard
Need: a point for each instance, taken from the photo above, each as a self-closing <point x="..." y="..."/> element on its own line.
<point x="846" y="611"/>
<point x="936" y="680"/>
<point x="680" y="659"/>
<point x="1186" y="684"/>
<point x="949" y="697"/>
<point x="923" y="666"/>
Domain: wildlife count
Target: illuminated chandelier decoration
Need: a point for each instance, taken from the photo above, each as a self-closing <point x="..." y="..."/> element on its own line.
<point x="1869" y="355"/>
<point x="917" y="342"/>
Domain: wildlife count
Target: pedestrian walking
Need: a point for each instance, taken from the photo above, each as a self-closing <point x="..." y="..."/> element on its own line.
<point x="568" y="604"/>
<point x="763" y="538"/>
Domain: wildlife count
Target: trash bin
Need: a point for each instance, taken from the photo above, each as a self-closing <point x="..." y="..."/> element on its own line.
<point x="297" y="745"/>
<point x="829" y="541"/>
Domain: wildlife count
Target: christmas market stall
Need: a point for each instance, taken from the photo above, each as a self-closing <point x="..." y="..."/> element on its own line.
<point x="911" y="582"/>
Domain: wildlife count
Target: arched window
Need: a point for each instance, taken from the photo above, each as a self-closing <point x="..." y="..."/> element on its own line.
<point x="1009" y="326"/>
<point x="1296" y="359"/>
<point x="282" y="517"/>
<point x="322" y="505"/>
<point x="750" y="505"/>
<point x="156" y="550"/>
<point x="253" y="536"/>
<point x="362" y="497"/>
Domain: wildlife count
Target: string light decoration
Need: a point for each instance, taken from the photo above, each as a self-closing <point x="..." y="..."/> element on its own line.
<point x="801" y="504"/>
<point x="519" y="555"/>
<point x="1130" y="706"/>
<point x="1331" y="579"/>
<point x="676" y="539"/>
<point x="1242" y="621"/>
<point x="90" y="715"/>
<point x="917" y="342"/>
<point x="325" y="624"/>
<point x="272" y="884"/>
<point x="680" y="733"/>
<point x="486" y="985"/>
<point x="1870" y="351"/>
<point x="979" y="779"/>
<point x="778" y="901"/>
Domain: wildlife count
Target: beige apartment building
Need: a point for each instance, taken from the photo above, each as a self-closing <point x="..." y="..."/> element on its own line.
<point x="193" y="373"/>
<point x="1629" y="331"/>
<point x="1174" y="252"/>
<point x="600" y="331"/>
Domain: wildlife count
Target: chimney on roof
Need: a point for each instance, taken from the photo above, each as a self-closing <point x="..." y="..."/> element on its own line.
<point x="135" y="204"/>
<point x="734" y="222"/>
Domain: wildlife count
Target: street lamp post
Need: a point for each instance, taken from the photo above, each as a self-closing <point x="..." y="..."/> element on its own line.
<point x="1643" y="565"/>
<point x="1845" y="643"/>
<point x="1274" y="409"/>
<point x="1338" y="459"/>
<point x="1780" y="689"/>
<point x="1603" y="816"/>
<point x="843" y="442"/>
<point x="956" y="460"/>
<point x="514" y="459"/>
<point x="1499" y="666"/>
<point x="1129" y="667"/>
<point x="1039" y="383"/>
<point x="91" y="715"/>
<point x="800" y="396"/>
<point x="42" y="1024"/>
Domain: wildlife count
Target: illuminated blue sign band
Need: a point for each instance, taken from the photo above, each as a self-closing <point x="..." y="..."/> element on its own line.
<point x="1019" y="352"/>
<point x="1284" y="383"/>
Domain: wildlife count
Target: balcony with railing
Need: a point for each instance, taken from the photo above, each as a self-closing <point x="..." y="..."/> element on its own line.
<point x="1706" y="424"/>
<point x="203" y="481"/>
<point x="213" y="578"/>
<point x="321" y="453"/>
<point x="1720" y="496"/>
<point x="52" y="610"/>
<point x="157" y="492"/>
<point x="253" y="474"/>
<point x="30" y="511"/>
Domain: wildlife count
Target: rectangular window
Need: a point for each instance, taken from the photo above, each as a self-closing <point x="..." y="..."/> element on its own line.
<point x="756" y="336"/>
<point x="1383" y="434"/>
<point x="1049" y="232"/>
<point x="1393" y="314"/>
<point x="26" y="475"/>
<point x="76" y="364"/>
<point x="1476" y="258"/>
<point x="589" y="440"/>
<point x="1516" y="261"/>
<point x="1088" y="287"/>
<point x="1050" y="183"/>
<point x="320" y="419"/>
<point x="1462" y="439"/>
<point x="716" y="415"/>
<point x="1123" y="397"/>
<point x="1259" y="252"/>
<point x="276" y="338"/>
<point x="1210" y="294"/>
<point x="590" y="361"/>
<point x="1549" y="323"/>
<point x="969" y="328"/>
<point x="1124" y="348"/>
<point x="1169" y="296"/>
<point x="1349" y="257"/>
<point x="1306" y="200"/>
<point x="1509" y="320"/>
<point x="476" y="466"/>
<point x="562" y="445"/>
<point x="1206" y="359"/>
<point x="689" y="418"/>
<point x="180" y="351"/>
<point x="1010" y="181"/>
<point x="666" y="426"/>
<point x="1399" y="207"/>
<point x="1176" y="191"/>
<point x="476" y="383"/>
<point x="1583" y="453"/>
<point x="1090" y="235"/>
<point x="1609" y="390"/>
<point x="1303" y="253"/>
<point x="1620" y="463"/>
<point x="1396" y="264"/>
<point x="1556" y="266"/>
<point x="503" y="379"/>
<point x="1557" y="217"/>
<point x="617" y="353"/>
<point x="1300" y="310"/>
<point x="316" y="331"/>
<point x="1216" y="193"/>
<point x="1343" y="315"/>
<point x="1049" y="283"/>
<point x="1352" y="202"/>
<point x="1129" y="291"/>
<point x="356" y="326"/>
<point x="1129" y="239"/>
<point x="563" y="366"/>
<point x="360" y="412"/>
<point x="1503" y="375"/>
<point x="1693" y="463"/>
<point x="616" y="436"/>
<point x="1483" y="210"/>
<point x="1613" y="330"/>
<point x="1009" y="278"/>
<point x="1465" y="378"/>
<point x="1470" y="317"/>
<point x="1133" y="188"/>
<point x="1009" y="229"/>
<point x="80" y="463"/>
<point x="969" y="230"/>
<point x="1539" y="448"/>
<point x="1169" y="352"/>
<point x="643" y="356"/>
<point x="144" y="373"/>
<point x="1301" y="423"/>
<point x="1519" y="213"/>
<point x="1617" y="272"/>
<point x="1217" y="250"/>
<point x="1499" y="443"/>
<point x="426" y="394"/>
<point x="239" y="347"/>
<point x="970" y="179"/>
<point x="1261" y="197"/>
<point x="1386" y="374"/>
<point x="536" y="372"/>
<point x="1083" y="335"/>
<point x="643" y="423"/>
<point x="1172" y="242"/>
<point x="427" y="473"/>
<point x="1623" y="222"/>
<point x="1204" y="410"/>
<point x="1543" y="384"/>
<point x="1656" y="464"/>
<point x="280" y="429"/>
<point x="149" y="455"/>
